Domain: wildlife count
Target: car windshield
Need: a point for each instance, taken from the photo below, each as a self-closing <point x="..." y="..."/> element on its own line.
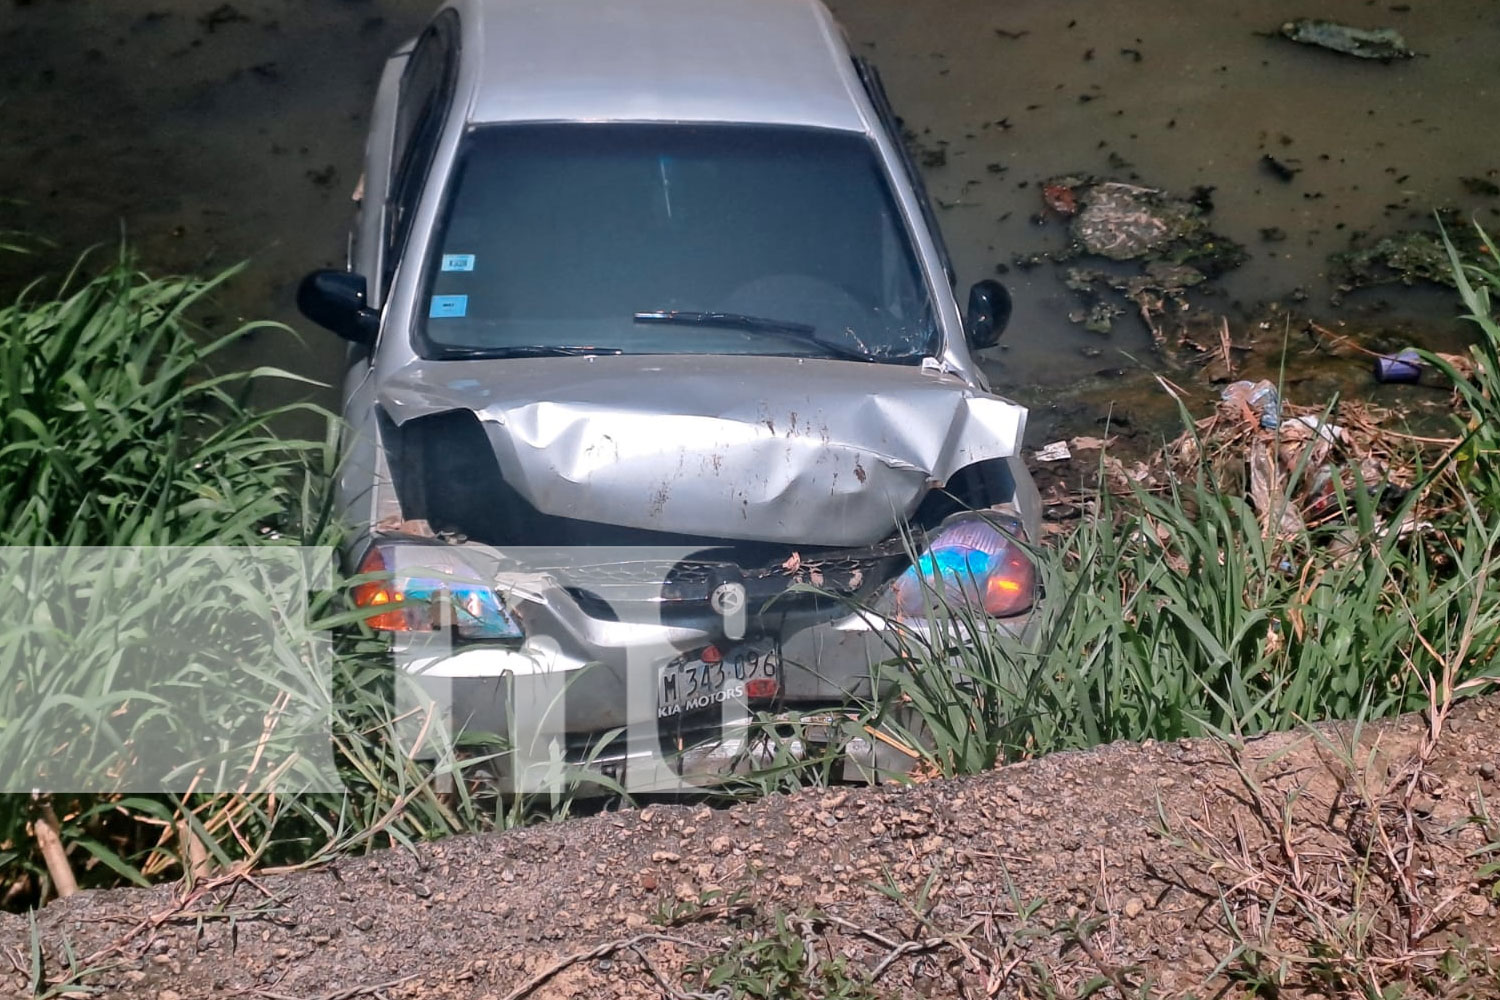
<point x="672" y="239"/>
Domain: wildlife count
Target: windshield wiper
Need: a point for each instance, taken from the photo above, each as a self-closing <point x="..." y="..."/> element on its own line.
<point x="804" y="332"/>
<point x="519" y="351"/>
<point x="738" y="321"/>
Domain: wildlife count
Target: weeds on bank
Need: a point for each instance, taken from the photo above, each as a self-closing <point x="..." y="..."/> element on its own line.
<point x="1185" y="611"/>
<point x="1005" y="948"/>
<point x="126" y="456"/>
<point x="1336" y="894"/>
<point x="1476" y="382"/>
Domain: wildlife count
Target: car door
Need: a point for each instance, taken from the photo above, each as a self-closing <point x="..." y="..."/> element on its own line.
<point x="404" y="138"/>
<point x="410" y="106"/>
<point x="427" y="86"/>
<point x="375" y="182"/>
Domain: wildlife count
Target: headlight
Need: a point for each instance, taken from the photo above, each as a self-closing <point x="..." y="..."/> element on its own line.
<point x="974" y="563"/>
<point x="425" y="588"/>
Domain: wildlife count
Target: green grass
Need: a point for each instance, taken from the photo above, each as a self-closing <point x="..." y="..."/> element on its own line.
<point x="1173" y="614"/>
<point x="117" y="433"/>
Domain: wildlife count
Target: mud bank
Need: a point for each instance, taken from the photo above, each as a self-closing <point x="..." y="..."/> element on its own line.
<point x="1125" y="862"/>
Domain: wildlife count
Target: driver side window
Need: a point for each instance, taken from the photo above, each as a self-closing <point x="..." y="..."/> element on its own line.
<point x="426" y="92"/>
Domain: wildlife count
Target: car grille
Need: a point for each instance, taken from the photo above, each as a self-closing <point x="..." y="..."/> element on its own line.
<point x="610" y="591"/>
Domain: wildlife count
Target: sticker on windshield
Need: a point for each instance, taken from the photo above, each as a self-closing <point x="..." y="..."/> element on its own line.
<point x="444" y="306"/>
<point x="458" y="262"/>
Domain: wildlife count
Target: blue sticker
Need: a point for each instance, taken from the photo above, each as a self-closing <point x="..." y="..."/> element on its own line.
<point x="444" y="306"/>
<point x="458" y="262"/>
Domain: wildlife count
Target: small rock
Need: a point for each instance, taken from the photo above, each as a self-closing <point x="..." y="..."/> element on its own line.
<point x="669" y="857"/>
<point x="720" y="845"/>
<point x="1487" y="771"/>
<point x="1134" y="907"/>
<point x="1014" y="793"/>
<point x="168" y="995"/>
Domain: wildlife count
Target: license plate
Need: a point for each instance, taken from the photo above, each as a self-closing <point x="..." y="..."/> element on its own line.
<point x="690" y="683"/>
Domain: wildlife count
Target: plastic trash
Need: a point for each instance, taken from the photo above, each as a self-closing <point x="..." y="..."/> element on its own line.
<point x="1057" y="451"/>
<point x="1384" y="44"/>
<point x="1403" y="366"/>
<point x="1261" y="397"/>
<point x="1331" y="433"/>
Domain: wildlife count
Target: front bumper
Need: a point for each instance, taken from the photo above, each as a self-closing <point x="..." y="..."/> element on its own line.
<point x="575" y="704"/>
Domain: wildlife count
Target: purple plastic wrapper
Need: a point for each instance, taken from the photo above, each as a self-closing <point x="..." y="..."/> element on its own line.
<point x="1404" y="366"/>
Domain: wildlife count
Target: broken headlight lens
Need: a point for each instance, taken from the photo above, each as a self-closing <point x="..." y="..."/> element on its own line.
<point x="975" y="563"/>
<point x="425" y="588"/>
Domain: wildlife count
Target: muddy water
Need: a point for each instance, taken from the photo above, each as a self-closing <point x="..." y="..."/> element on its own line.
<point x="215" y="134"/>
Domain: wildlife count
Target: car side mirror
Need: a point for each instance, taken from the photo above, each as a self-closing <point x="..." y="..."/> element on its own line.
<point x="989" y="311"/>
<point x="337" y="300"/>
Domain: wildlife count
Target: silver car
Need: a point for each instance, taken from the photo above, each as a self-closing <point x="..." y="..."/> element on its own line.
<point x="657" y="382"/>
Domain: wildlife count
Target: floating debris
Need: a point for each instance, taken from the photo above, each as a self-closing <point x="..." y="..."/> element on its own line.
<point x="1164" y="242"/>
<point x="1295" y="474"/>
<point x="1060" y="199"/>
<point x="1403" y="366"/>
<point x="930" y="154"/>
<point x="1098" y="317"/>
<point x="1057" y="451"/>
<point x="1406" y="258"/>
<point x="1125" y="221"/>
<point x="1159" y="285"/>
<point x="1276" y="168"/>
<point x="1481" y="186"/>
<point x="1363" y="43"/>
<point x="1130" y="222"/>
<point x="1257" y="398"/>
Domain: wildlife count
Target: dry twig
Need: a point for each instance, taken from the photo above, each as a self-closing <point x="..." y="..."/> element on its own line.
<point x="604" y="950"/>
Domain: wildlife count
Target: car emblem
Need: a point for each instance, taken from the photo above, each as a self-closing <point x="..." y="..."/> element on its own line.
<point x="727" y="599"/>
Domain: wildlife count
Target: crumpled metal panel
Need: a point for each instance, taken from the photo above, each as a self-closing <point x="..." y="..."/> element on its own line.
<point x="791" y="450"/>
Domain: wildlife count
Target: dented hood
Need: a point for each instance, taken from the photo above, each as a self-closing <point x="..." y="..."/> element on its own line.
<point x="803" y="451"/>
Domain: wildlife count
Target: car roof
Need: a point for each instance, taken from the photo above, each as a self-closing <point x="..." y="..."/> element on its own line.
<point x="744" y="61"/>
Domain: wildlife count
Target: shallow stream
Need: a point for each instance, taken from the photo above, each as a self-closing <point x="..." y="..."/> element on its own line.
<point x="215" y="134"/>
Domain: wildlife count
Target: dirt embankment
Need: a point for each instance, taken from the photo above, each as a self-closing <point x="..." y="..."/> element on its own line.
<point x="1156" y="870"/>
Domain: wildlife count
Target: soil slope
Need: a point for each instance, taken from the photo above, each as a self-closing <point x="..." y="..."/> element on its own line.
<point x="1149" y="869"/>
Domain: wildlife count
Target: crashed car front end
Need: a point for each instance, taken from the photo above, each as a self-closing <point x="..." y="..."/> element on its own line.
<point x="606" y="562"/>
<point x="658" y="385"/>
